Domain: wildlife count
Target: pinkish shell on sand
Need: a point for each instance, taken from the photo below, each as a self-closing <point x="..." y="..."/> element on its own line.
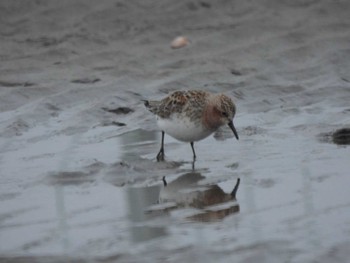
<point x="179" y="42"/>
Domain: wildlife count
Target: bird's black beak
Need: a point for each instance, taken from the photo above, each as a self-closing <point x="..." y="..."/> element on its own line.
<point x="230" y="124"/>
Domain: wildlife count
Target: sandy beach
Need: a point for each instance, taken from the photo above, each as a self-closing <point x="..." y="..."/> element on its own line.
<point x="79" y="181"/>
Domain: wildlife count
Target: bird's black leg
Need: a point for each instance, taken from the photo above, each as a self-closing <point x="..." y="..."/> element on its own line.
<point x="160" y="155"/>
<point x="194" y="153"/>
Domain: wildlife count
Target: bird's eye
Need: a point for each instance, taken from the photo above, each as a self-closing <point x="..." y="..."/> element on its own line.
<point x="224" y="114"/>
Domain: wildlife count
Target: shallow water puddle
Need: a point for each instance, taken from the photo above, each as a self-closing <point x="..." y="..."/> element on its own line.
<point x="73" y="210"/>
<point x="139" y="198"/>
<point x="290" y="190"/>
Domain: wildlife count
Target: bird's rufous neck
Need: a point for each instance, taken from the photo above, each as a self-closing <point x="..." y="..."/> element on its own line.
<point x="211" y="117"/>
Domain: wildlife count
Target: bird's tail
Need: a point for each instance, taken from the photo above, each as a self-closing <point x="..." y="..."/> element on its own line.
<point x="152" y="106"/>
<point x="146" y="102"/>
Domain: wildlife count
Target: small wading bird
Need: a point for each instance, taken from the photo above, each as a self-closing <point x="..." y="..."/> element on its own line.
<point x="191" y="116"/>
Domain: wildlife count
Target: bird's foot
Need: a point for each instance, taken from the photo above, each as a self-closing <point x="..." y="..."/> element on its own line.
<point x="160" y="155"/>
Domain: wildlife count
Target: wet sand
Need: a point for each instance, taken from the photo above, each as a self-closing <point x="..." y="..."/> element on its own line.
<point x="79" y="180"/>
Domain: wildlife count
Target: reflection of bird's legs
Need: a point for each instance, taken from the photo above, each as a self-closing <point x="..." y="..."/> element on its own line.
<point x="164" y="181"/>
<point x="160" y="155"/>
<point x="234" y="191"/>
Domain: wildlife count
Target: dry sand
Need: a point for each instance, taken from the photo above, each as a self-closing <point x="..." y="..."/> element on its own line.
<point x="77" y="147"/>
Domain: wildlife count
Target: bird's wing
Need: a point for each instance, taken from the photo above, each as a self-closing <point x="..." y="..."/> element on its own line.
<point x="176" y="102"/>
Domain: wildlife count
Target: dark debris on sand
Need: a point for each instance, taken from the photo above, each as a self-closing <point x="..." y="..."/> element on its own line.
<point x="341" y="136"/>
<point x="119" y="110"/>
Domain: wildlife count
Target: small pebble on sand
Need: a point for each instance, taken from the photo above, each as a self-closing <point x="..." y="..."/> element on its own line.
<point x="179" y="42"/>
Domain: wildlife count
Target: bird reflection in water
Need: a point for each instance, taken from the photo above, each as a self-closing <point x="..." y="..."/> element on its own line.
<point x="213" y="202"/>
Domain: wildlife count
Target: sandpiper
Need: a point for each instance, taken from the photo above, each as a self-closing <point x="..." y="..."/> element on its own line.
<point x="191" y="116"/>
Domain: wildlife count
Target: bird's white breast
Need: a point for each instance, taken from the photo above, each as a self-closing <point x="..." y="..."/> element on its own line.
<point x="183" y="129"/>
